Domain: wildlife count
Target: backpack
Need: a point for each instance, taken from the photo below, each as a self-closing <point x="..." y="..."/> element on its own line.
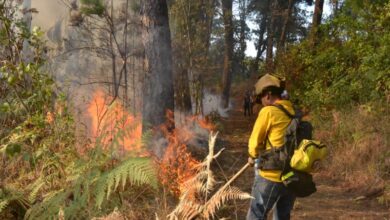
<point x="308" y="153"/>
<point x="297" y="133"/>
<point x="279" y="158"/>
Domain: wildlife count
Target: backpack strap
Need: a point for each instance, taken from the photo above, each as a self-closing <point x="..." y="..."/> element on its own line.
<point x="281" y="107"/>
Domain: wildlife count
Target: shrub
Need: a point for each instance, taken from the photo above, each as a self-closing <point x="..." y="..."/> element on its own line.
<point x="358" y="142"/>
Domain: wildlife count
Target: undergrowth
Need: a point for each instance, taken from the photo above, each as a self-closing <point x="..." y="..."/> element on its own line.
<point x="43" y="174"/>
<point x="358" y="140"/>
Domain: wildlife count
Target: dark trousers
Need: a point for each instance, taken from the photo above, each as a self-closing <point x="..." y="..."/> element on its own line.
<point x="268" y="194"/>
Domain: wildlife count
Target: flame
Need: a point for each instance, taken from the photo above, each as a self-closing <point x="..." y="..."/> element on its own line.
<point x="114" y="125"/>
<point x="178" y="165"/>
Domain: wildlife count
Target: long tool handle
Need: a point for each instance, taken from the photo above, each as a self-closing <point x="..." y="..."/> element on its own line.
<point x="233" y="178"/>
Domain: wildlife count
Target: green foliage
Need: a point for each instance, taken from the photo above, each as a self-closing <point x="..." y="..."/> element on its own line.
<point x="43" y="171"/>
<point x="92" y="7"/>
<point x="8" y="196"/>
<point x="90" y="187"/>
<point x="348" y="64"/>
<point x="137" y="171"/>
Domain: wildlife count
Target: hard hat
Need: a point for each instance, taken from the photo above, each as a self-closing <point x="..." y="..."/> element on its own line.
<point x="265" y="81"/>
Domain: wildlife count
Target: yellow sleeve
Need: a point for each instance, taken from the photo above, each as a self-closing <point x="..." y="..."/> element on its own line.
<point x="259" y="132"/>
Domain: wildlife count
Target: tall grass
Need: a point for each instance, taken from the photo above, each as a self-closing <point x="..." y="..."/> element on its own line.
<point x="358" y="140"/>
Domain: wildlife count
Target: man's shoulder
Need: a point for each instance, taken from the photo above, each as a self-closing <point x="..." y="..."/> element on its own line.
<point x="267" y="110"/>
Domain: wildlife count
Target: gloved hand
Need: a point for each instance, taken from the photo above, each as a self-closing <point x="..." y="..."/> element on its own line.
<point x="251" y="161"/>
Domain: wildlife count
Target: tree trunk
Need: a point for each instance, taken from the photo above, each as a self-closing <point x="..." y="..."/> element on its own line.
<point x="335" y="7"/>
<point x="228" y="53"/>
<point x="270" y="37"/>
<point x="287" y="15"/>
<point x="241" y="52"/>
<point x="182" y="90"/>
<point x="260" y="44"/>
<point x="209" y="22"/>
<point x="158" y="92"/>
<point x="27" y="17"/>
<point x="317" y="16"/>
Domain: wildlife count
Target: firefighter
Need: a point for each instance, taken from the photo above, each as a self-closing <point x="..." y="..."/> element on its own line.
<point x="268" y="132"/>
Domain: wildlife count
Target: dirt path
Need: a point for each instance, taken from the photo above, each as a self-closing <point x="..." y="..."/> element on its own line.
<point x="329" y="202"/>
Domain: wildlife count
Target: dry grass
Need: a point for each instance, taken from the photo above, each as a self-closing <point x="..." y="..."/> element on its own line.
<point x="359" y="147"/>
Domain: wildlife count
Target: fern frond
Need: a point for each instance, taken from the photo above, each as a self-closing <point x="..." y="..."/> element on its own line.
<point x="136" y="171"/>
<point x="3" y="204"/>
<point x="8" y="195"/>
<point x="221" y="198"/>
<point x="196" y="184"/>
<point x="49" y="208"/>
<point x="184" y="210"/>
<point x="35" y="189"/>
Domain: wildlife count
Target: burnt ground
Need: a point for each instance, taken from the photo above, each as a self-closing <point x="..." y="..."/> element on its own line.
<point x="331" y="201"/>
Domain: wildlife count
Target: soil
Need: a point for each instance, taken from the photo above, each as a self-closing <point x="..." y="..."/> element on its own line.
<point x="331" y="201"/>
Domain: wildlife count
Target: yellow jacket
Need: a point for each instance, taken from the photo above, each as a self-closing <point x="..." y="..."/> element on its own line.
<point x="274" y="122"/>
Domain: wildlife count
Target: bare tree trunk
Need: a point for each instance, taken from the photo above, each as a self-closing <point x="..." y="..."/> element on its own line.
<point x="209" y="18"/>
<point x="124" y="55"/>
<point x="227" y="63"/>
<point x="158" y="84"/>
<point x="317" y="16"/>
<point x="335" y="7"/>
<point x="287" y="15"/>
<point x="27" y="17"/>
<point x="242" y="43"/>
<point x="270" y="37"/>
<point x="113" y="57"/>
<point x="182" y="91"/>
<point x="260" y="44"/>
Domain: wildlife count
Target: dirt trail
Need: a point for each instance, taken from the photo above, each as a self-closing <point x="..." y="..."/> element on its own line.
<point x="329" y="202"/>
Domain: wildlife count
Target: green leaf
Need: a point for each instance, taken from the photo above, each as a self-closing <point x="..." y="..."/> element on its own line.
<point x="13" y="149"/>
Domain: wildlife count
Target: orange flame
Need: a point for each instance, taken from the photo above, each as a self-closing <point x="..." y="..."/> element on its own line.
<point x="114" y="125"/>
<point x="178" y="165"/>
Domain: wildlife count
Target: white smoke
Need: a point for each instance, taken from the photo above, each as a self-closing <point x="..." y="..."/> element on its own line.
<point x="211" y="103"/>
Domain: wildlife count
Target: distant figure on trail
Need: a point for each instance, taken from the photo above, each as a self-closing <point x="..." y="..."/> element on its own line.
<point x="247" y="104"/>
<point x="253" y="102"/>
<point x="268" y="133"/>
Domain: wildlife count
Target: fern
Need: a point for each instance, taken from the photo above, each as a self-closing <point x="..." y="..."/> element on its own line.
<point x="220" y="198"/>
<point x="93" y="187"/>
<point x="8" y="196"/>
<point x="49" y="208"/>
<point x="136" y="171"/>
<point x="3" y="204"/>
<point x="194" y="200"/>
<point x="35" y="189"/>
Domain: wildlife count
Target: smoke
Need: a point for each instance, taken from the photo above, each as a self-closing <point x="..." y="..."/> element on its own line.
<point x="50" y="11"/>
<point x="78" y="68"/>
<point x="211" y="103"/>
